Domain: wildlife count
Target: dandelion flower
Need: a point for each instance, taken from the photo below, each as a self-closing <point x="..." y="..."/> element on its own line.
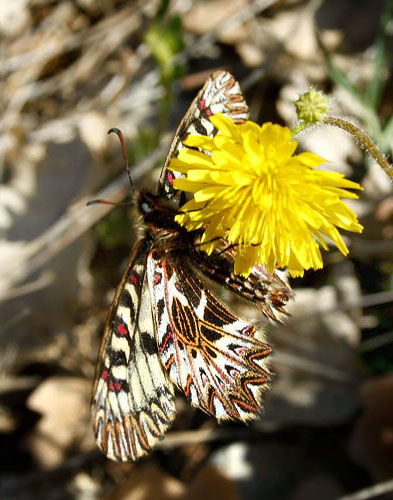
<point x="251" y="190"/>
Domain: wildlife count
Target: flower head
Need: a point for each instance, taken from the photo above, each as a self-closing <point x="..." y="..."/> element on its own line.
<point x="251" y="190"/>
<point x="312" y="107"/>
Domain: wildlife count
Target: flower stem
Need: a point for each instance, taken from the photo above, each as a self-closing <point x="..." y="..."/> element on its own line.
<point x="299" y="128"/>
<point x="364" y="140"/>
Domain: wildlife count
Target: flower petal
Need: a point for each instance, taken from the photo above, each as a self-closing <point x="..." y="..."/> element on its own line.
<point x="253" y="191"/>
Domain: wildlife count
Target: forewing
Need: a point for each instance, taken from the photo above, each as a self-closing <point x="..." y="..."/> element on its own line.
<point x="220" y="94"/>
<point x="216" y="358"/>
<point x="132" y="399"/>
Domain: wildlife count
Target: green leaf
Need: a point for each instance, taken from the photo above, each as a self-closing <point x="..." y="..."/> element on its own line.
<point x="375" y="86"/>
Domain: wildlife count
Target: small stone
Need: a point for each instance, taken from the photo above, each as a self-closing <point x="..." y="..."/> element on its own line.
<point x="64" y="404"/>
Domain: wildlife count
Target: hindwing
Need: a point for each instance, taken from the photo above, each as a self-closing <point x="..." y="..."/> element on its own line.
<point x="132" y="400"/>
<point x="215" y="357"/>
<point x="267" y="290"/>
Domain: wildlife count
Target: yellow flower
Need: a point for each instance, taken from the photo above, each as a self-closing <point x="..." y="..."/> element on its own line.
<point x="251" y="190"/>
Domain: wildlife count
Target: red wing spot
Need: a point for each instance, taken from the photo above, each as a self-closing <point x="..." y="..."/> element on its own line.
<point x="170" y="178"/>
<point x="134" y="279"/>
<point x="157" y="278"/>
<point x="202" y="104"/>
<point x="240" y="351"/>
<point x="248" y="330"/>
<point x="122" y="329"/>
<point x="114" y="386"/>
<point x="105" y="374"/>
<point x="209" y="112"/>
<point x="168" y="338"/>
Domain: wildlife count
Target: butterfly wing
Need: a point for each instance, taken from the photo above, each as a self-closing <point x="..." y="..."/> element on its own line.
<point x="267" y="290"/>
<point x="132" y="399"/>
<point x="213" y="356"/>
<point x="220" y="94"/>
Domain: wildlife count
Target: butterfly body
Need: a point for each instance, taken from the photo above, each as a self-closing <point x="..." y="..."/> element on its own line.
<point x="166" y="329"/>
<point x="158" y="218"/>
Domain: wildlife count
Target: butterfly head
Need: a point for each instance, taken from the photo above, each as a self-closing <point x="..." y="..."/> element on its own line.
<point x="157" y="212"/>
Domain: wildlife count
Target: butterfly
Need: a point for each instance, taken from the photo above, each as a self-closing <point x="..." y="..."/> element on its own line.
<point x="166" y="329"/>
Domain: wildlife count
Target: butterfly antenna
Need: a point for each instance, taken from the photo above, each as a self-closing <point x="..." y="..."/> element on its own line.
<point x="119" y="134"/>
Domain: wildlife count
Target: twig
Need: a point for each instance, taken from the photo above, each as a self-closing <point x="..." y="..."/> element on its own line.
<point x="294" y="360"/>
<point x="99" y="42"/>
<point x="371" y="492"/>
<point x="180" y="438"/>
<point x="370" y="300"/>
<point x="41" y="282"/>
<point x="20" y="383"/>
<point x="376" y="342"/>
<point x="42" y="54"/>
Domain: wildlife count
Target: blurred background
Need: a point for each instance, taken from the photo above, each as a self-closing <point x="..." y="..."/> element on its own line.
<point x="71" y="70"/>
